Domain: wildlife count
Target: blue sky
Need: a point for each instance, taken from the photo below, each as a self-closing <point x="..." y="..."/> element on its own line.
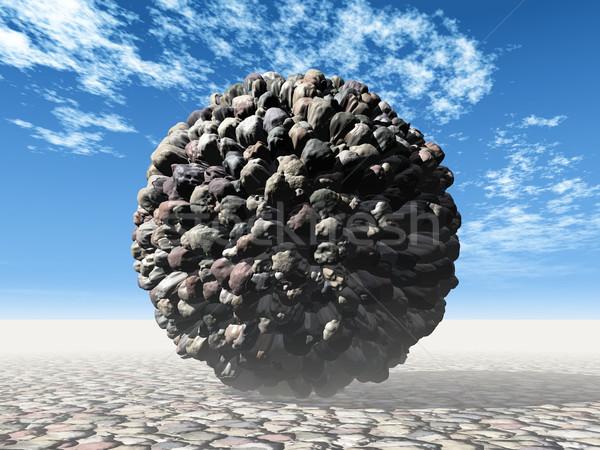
<point x="90" y="88"/>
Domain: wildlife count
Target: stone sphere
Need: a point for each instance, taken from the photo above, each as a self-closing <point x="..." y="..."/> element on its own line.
<point x="296" y="235"/>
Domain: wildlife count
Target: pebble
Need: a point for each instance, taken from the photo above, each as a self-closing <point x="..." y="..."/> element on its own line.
<point x="130" y="401"/>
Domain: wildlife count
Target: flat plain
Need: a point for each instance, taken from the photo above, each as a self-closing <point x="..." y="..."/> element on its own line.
<point x="471" y="385"/>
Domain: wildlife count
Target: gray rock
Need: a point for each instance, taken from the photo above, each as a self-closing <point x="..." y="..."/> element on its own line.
<point x="168" y="286"/>
<point x="317" y="156"/>
<point x="274" y="117"/>
<point x="324" y="202"/>
<point x="253" y="178"/>
<point x="208" y="146"/>
<point x="320" y="113"/>
<point x="166" y="155"/>
<point x="227" y="127"/>
<point x="250" y="131"/>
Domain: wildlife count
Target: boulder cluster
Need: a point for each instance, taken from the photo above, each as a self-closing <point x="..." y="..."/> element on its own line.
<point x="296" y="234"/>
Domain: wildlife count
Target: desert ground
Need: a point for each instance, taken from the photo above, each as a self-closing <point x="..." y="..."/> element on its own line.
<point x="470" y="385"/>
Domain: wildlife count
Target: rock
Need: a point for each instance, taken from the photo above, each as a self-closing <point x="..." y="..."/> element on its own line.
<point x="250" y="131"/>
<point x="279" y="142"/>
<point x="221" y="112"/>
<point x="324" y="202"/>
<point x="303" y="90"/>
<point x="357" y="85"/>
<point x="167" y="212"/>
<point x="386" y="140"/>
<point x="258" y="150"/>
<point x="168" y="286"/>
<point x="182" y="259"/>
<point x="244" y="109"/>
<point x="274" y="117"/>
<point x="277" y="190"/>
<point x="320" y="113"/>
<point x="193" y="117"/>
<point x="211" y="291"/>
<point x="341" y="124"/>
<point x="317" y="156"/>
<point x="268" y="100"/>
<point x="232" y="210"/>
<point x="254" y="85"/>
<point x="233" y="163"/>
<point x="304" y="220"/>
<point x="191" y="151"/>
<point x="253" y="178"/>
<point x="285" y="261"/>
<point x="316" y="77"/>
<point x="208" y="146"/>
<point x="327" y="253"/>
<point x="210" y="240"/>
<point x="221" y="270"/>
<point x="227" y="128"/>
<point x="369" y="154"/>
<point x="300" y="134"/>
<point x="165" y="156"/>
<point x="144" y="234"/>
<point x="360" y="134"/>
<point x="300" y="109"/>
<point x="329" y="229"/>
<point x="186" y="178"/>
<point x="219" y="188"/>
<point x="179" y="138"/>
<point x="240" y="278"/>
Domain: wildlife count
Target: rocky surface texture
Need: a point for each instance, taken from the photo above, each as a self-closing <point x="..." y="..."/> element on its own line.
<point x="296" y="234"/>
<point x="451" y="402"/>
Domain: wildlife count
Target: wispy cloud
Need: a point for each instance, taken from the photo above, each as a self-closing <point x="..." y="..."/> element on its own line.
<point x="535" y="121"/>
<point x="73" y="136"/>
<point x="53" y="96"/>
<point x="518" y="240"/>
<point x="524" y="162"/>
<point x="91" y="40"/>
<point x="507" y="49"/>
<point x="569" y="192"/>
<point x="75" y="119"/>
<point x="438" y="73"/>
<point x="459" y="136"/>
<point x="195" y="48"/>
<point x="535" y="203"/>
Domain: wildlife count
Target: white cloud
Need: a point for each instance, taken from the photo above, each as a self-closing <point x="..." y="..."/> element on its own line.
<point x="459" y="136"/>
<point x="535" y="121"/>
<point x="75" y="119"/>
<point x="52" y="95"/>
<point x="74" y="138"/>
<point x="76" y="142"/>
<point x="502" y="138"/>
<point x="537" y="203"/>
<point x="512" y="240"/>
<point x="90" y="40"/>
<point x="525" y="161"/>
<point x="569" y="192"/>
<point x="559" y="163"/>
<point x="21" y="123"/>
<point x="419" y="63"/>
<point x="507" y="49"/>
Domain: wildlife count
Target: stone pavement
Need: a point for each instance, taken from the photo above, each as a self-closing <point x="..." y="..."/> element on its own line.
<point x="158" y="401"/>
